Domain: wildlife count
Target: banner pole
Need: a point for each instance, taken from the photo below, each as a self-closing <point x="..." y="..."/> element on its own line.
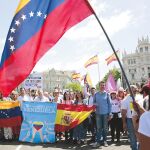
<point x="123" y="72"/>
<point x="98" y="71"/>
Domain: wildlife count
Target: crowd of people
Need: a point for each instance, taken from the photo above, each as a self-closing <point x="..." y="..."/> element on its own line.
<point x="115" y="111"/>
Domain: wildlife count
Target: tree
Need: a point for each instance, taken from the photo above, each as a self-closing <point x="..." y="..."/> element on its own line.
<point x="114" y="72"/>
<point x="74" y="86"/>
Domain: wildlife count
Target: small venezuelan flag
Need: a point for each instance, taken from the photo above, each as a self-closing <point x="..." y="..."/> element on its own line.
<point x="10" y="114"/>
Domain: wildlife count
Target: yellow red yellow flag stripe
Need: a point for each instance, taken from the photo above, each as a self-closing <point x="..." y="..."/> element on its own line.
<point x="76" y="75"/>
<point x="91" y="61"/>
<point x="72" y="116"/>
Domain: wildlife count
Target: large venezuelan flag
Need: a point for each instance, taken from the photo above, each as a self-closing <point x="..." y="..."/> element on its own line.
<point x="69" y="116"/>
<point x="10" y="114"/>
<point x="36" y="27"/>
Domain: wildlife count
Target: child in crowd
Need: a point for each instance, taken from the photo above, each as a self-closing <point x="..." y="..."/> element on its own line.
<point x="115" y="123"/>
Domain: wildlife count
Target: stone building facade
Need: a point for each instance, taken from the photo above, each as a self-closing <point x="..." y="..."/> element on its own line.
<point x="55" y="78"/>
<point x="137" y="64"/>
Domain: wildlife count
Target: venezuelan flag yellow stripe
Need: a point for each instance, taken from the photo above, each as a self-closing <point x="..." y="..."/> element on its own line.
<point x="72" y="115"/>
<point x="22" y="4"/>
<point x="8" y="105"/>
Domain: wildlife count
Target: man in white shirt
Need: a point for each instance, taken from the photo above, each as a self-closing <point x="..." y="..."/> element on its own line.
<point x="127" y="109"/>
<point x="41" y="97"/>
<point x="23" y="97"/>
<point x="92" y="117"/>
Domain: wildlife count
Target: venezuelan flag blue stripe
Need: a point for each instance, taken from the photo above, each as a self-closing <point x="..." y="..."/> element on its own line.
<point x="31" y="25"/>
<point x="9" y="113"/>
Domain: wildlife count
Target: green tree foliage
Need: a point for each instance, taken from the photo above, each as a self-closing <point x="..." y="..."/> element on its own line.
<point x="74" y="86"/>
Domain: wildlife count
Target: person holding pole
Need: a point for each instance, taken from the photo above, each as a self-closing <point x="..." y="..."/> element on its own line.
<point x="127" y="110"/>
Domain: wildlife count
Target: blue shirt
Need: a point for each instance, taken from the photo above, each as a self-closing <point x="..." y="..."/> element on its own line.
<point x="102" y="102"/>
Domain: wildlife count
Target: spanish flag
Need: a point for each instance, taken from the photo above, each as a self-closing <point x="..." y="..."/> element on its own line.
<point x="111" y="58"/>
<point x="91" y="61"/>
<point x="76" y="76"/>
<point x="69" y="116"/>
<point x="10" y="114"/>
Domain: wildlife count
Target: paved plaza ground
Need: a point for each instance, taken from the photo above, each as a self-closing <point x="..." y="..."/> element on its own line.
<point x="11" y="145"/>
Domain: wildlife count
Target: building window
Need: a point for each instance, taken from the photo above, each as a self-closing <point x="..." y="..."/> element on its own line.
<point x="142" y="69"/>
<point x="132" y="76"/>
<point x="141" y="49"/>
<point x="129" y="70"/>
<point x="129" y="61"/>
<point x="146" y="48"/>
<point x="134" y="61"/>
<point x="148" y="68"/>
<point x="148" y="75"/>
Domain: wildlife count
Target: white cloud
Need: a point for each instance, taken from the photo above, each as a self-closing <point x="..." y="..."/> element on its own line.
<point x="90" y="28"/>
<point x="118" y="22"/>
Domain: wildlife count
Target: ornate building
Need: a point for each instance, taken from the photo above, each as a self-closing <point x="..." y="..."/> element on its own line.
<point x="55" y="78"/>
<point x="137" y="65"/>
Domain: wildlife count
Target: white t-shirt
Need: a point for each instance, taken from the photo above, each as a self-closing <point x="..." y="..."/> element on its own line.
<point x="139" y="99"/>
<point x="90" y="100"/>
<point x="116" y="106"/>
<point x="41" y="99"/>
<point x="23" y="98"/>
<point x="144" y="124"/>
<point x="127" y="105"/>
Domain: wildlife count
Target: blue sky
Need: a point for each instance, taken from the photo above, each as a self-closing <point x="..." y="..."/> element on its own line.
<point x="125" y="22"/>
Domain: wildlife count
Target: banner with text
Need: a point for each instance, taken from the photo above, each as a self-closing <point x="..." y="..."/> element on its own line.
<point x="38" y="122"/>
<point x="34" y="81"/>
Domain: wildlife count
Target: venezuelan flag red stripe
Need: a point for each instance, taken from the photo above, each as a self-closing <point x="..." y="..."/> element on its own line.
<point x="31" y="46"/>
<point x="11" y="122"/>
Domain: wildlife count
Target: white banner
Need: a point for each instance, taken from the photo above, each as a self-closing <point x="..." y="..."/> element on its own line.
<point x="34" y="81"/>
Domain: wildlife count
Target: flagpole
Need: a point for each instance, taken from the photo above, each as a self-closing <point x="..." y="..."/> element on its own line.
<point x="98" y="71"/>
<point x="123" y="72"/>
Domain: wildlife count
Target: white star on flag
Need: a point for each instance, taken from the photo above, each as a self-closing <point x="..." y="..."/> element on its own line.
<point x="31" y="14"/>
<point x="17" y="22"/>
<point x="12" y="30"/>
<point x="23" y="17"/>
<point x="45" y="16"/>
<point x="12" y="47"/>
<point x="39" y="13"/>
<point x="11" y="39"/>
